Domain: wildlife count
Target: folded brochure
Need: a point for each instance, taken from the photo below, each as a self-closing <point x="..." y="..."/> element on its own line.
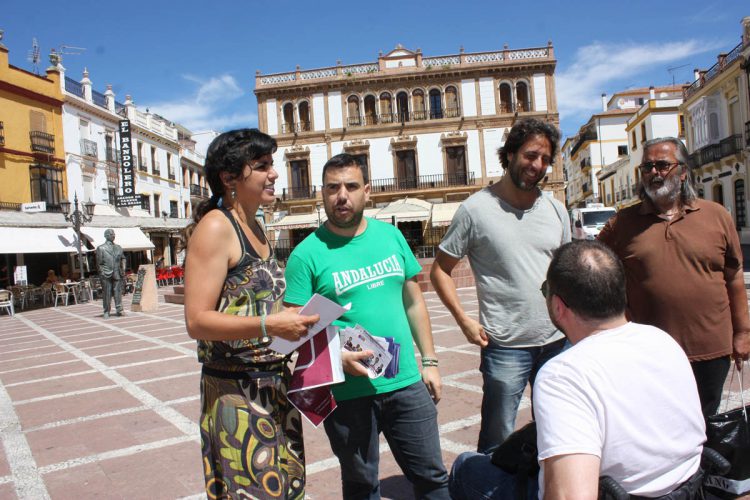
<point x="318" y="366"/>
<point x="329" y="311"/>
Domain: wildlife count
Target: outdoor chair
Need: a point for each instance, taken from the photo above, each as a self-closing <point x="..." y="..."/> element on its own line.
<point x="6" y="301"/>
<point x="95" y="287"/>
<point x="20" y="296"/>
<point x="60" y="293"/>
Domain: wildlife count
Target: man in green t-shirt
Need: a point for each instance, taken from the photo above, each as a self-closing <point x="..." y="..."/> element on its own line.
<point x="368" y="263"/>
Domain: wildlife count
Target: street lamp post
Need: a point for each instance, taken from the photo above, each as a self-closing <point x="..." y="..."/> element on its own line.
<point x="318" y="206"/>
<point x="78" y="218"/>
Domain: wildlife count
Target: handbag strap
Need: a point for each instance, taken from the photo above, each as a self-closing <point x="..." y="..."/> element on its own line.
<point x="740" y="374"/>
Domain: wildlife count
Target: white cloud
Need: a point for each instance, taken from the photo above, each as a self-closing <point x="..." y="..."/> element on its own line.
<point x="598" y="67"/>
<point x="213" y="105"/>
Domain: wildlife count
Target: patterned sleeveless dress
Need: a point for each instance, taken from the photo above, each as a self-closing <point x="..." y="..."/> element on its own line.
<point x="251" y="436"/>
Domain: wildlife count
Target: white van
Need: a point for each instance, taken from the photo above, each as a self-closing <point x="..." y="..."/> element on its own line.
<point x="587" y="222"/>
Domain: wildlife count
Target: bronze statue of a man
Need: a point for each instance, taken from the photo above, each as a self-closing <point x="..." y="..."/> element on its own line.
<point x="109" y="259"/>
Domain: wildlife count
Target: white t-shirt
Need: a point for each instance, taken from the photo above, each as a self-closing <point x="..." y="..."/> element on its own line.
<point x="628" y="396"/>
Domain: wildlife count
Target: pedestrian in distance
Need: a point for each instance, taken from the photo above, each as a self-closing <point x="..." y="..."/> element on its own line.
<point x="251" y="436"/>
<point x="508" y="231"/>
<point x="683" y="263"/>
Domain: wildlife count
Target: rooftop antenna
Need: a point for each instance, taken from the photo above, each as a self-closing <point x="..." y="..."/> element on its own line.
<point x="69" y="50"/>
<point x="674" y="69"/>
<point x="33" y="56"/>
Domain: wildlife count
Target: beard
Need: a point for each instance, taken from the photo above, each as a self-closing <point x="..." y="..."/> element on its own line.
<point x="666" y="191"/>
<point x="515" y="172"/>
<point x="344" y="224"/>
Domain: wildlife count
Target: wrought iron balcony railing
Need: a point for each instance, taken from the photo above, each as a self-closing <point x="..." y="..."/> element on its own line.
<point x="142" y="165"/>
<point x="196" y="190"/>
<point x="422" y="182"/>
<point x="73" y="87"/>
<point x="113" y="155"/>
<point x="42" y="142"/>
<point x="747" y="133"/>
<point x="403" y="117"/>
<point x="171" y="176"/>
<point x="715" y="152"/>
<point x="299" y="193"/>
<point x="2" y="134"/>
<point x="156" y="170"/>
<point x="288" y="128"/>
<point x="89" y="148"/>
<point x="99" y="99"/>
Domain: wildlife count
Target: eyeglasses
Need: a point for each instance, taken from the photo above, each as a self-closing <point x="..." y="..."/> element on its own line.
<point x="661" y="166"/>
<point x="545" y="292"/>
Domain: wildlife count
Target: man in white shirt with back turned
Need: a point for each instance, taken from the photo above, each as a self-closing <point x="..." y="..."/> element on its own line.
<point x="621" y="402"/>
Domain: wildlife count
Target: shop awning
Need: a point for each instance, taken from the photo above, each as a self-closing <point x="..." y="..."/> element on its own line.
<point x="37" y="240"/>
<point x="442" y="213"/>
<point x="406" y="210"/>
<point x="129" y="238"/>
<point x="298" y="221"/>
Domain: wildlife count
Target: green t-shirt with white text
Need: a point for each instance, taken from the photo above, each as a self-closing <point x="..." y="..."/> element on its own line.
<point x="368" y="270"/>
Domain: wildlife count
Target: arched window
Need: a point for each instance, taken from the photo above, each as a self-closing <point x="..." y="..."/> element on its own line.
<point x="371" y="113"/>
<point x="288" y="125"/>
<point x="739" y="204"/>
<point x="522" y="97"/>
<point x="452" y="109"/>
<point x="419" y="107"/>
<point x="303" y="111"/>
<point x="718" y="194"/>
<point x="386" y="108"/>
<point x="402" y="106"/>
<point x="436" y="104"/>
<point x="352" y="105"/>
<point x="506" y="98"/>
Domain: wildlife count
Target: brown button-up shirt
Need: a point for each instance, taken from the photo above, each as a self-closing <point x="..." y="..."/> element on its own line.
<point x="675" y="272"/>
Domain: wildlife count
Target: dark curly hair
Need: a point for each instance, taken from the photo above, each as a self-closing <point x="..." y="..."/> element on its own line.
<point x="522" y="131"/>
<point x="230" y="152"/>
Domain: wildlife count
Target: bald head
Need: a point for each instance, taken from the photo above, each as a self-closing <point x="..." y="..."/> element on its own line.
<point x="589" y="278"/>
<point x="109" y="235"/>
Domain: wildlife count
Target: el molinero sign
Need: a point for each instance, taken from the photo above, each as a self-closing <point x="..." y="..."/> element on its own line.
<point x="128" y="197"/>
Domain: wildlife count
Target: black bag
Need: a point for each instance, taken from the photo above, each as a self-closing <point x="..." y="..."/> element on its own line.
<point x="729" y="434"/>
<point x="518" y="453"/>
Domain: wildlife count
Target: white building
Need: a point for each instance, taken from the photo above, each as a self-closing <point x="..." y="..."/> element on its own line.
<point x="424" y="127"/>
<point x="90" y="131"/>
<point x="603" y="140"/>
<point x="659" y="116"/>
<point x="717" y="111"/>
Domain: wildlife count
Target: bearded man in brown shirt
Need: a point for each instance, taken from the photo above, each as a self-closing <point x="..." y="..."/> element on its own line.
<point x="683" y="265"/>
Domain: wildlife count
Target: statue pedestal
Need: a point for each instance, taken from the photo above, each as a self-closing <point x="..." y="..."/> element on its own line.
<point x="145" y="298"/>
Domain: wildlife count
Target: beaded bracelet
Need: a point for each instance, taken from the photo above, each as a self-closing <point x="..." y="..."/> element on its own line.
<point x="429" y="362"/>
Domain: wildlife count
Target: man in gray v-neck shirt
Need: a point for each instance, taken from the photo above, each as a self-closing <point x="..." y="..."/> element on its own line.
<point x="508" y="231"/>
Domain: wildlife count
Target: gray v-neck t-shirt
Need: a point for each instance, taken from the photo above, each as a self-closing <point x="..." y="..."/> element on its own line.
<point x="509" y="251"/>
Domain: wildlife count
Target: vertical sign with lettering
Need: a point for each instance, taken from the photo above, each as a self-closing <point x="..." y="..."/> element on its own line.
<point x="128" y="198"/>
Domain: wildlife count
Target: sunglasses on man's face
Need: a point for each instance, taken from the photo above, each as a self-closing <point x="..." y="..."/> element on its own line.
<point x="545" y="292"/>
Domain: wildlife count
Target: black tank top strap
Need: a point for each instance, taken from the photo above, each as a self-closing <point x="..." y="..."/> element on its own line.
<point x="244" y="243"/>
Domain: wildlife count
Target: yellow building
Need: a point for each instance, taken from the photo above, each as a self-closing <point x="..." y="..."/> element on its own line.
<point x="32" y="165"/>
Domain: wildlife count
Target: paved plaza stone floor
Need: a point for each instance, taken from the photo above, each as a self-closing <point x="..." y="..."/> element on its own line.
<point x="94" y="408"/>
<point x="109" y="408"/>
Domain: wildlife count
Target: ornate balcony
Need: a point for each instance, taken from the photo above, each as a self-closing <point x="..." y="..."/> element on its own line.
<point x="196" y="190"/>
<point x="403" y="117"/>
<point x="715" y="152"/>
<point x="42" y="142"/>
<point x="290" y="128"/>
<point x="113" y="155"/>
<point x="299" y="193"/>
<point x="434" y="181"/>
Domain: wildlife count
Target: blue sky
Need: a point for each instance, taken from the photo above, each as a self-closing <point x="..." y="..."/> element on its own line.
<point x="194" y="62"/>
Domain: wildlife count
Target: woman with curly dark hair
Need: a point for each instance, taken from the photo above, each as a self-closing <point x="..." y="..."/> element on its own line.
<point x="251" y="436"/>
